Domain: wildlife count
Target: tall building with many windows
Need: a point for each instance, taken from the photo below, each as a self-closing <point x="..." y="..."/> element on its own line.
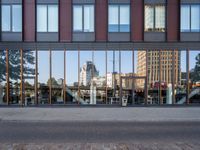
<point x="159" y="67"/>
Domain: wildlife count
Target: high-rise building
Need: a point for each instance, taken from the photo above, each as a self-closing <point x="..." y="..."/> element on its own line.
<point x="159" y="66"/>
<point x="88" y="71"/>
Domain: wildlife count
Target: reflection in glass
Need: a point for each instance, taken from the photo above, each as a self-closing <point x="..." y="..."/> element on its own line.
<point x="6" y="18"/>
<point x="124" y="18"/>
<point x="195" y="18"/>
<point x="77" y="18"/>
<point x="149" y="18"/>
<point x="52" y="18"/>
<point x="41" y="18"/>
<point x="17" y="18"/>
<point x="185" y="18"/>
<point x="160" y="18"/>
<point x="194" y="86"/>
<point x="113" y="18"/>
<point x="43" y="77"/>
<point x="180" y="72"/>
<point x="89" y="18"/>
<point x="72" y="67"/>
<point x="57" y="76"/>
<point x="126" y="71"/>
<point x="29" y="76"/>
<point x="119" y="18"/>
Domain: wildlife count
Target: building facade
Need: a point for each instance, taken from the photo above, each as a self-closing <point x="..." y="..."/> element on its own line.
<point x="52" y="34"/>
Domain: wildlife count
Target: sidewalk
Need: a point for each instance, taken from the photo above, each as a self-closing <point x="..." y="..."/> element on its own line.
<point x="135" y="114"/>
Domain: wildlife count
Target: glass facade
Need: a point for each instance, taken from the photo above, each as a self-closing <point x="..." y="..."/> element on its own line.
<point x="11" y="18"/>
<point x="119" y="18"/>
<point x="47" y="18"/>
<point x="190" y="18"/>
<point x="141" y="77"/>
<point x="155" y="18"/>
<point x="83" y="18"/>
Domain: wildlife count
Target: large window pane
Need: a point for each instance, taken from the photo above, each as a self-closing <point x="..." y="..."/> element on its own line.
<point x="17" y="18"/>
<point x="14" y="76"/>
<point x="180" y="76"/>
<point x="195" y="18"/>
<point x="72" y="77"/>
<point x="124" y="18"/>
<point x="29" y="76"/>
<point x="77" y="18"/>
<point x="42" y="18"/>
<point x="160" y="18"/>
<point x="43" y="77"/>
<point x="5" y="18"/>
<point x="113" y="19"/>
<point x="53" y="18"/>
<point x="149" y="18"/>
<point x="185" y="18"/>
<point x="57" y="79"/>
<point x="89" y="19"/>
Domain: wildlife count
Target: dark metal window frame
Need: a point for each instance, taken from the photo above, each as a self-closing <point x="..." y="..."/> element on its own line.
<point x="119" y="22"/>
<point x="11" y="18"/>
<point x="154" y="18"/>
<point x="83" y="18"/>
<point x="190" y="15"/>
<point x="47" y="28"/>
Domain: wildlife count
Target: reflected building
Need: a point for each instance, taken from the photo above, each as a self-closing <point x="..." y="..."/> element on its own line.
<point x="87" y="72"/>
<point x="159" y="66"/>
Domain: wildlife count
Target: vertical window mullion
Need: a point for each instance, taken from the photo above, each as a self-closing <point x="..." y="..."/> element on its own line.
<point x="154" y="17"/>
<point x="190" y="19"/>
<point x="83" y="12"/>
<point x="119" y="21"/>
<point x="11" y="18"/>
<point x="47" y="28"/>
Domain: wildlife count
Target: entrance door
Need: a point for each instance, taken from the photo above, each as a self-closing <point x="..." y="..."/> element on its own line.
<point x="133" y="90"/>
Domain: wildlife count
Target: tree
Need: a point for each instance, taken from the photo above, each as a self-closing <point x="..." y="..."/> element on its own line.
<point x="195" y="73"/>
<point x="14" y="64"/>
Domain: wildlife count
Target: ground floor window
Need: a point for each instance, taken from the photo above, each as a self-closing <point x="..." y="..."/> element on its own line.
<point x="100" y="77"/>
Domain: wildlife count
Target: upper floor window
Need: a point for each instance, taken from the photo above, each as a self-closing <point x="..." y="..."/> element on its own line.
<point x="47" y="18"/>
<point x="119" y="18"/>
<point x="83" y="18"/>
<point x="190" y="18"/>
<point x="155" y="18"/>
<point x="11" y="18"/>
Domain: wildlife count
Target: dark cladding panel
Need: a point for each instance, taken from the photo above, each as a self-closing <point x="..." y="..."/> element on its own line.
<point x="83" y="1"/>
<point x="47" y="1"/>
<point x="154" y="1"/>
<point x="137" y="20"/>
<point x="11" y="1"/>
<point x="119" y="1"/>
<point x="65" y="25"/>
<point x="29" y="20"/>
<point x="173" y="20"/>
<point x="101" y="20"/>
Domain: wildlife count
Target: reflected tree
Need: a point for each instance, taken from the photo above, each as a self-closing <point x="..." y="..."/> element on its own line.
<point x="195" y="73"/>
<point x="14" y="64"/>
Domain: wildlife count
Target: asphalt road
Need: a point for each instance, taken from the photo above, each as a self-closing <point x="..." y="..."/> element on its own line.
<point x="94" y="132"/>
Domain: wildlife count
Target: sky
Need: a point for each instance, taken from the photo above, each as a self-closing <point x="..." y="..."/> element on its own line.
<point x="99" y="60"/>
